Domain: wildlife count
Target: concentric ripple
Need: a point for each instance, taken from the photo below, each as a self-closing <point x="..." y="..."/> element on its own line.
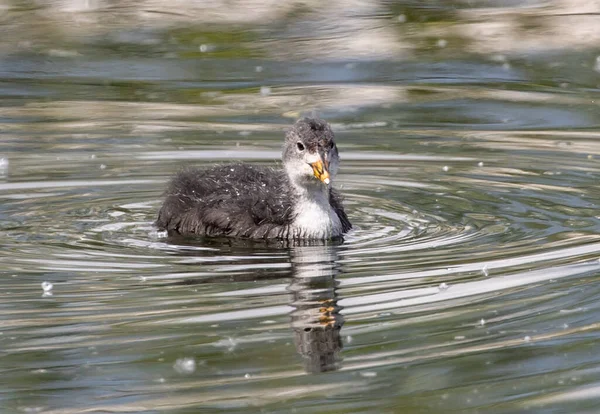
<point x="450" y="258"/>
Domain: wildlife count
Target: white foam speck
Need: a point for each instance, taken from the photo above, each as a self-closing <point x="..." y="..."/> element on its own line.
<point x="485" y="271"/>
<point x="185" y="365"/>
<point x="258" y="69"/>
<point x="443" y="286"/>
<point x="445" y="168"/>
<point x="265" y="91"/>
<point x="47" y="286"/>
<point x="368" y="374"/>
<point x="527" y="338"/>
<point x="482" y="322"/>
<point x="480" y="164"/>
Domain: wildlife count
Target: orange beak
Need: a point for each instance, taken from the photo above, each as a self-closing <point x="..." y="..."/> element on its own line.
<point x="320" y="171"/>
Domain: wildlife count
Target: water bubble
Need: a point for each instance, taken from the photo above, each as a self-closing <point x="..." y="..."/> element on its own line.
<point x="349" y="339"/>
<point x="443" y="286"/>
<point x="39" y="371"/>
<point x="247" y="376"/>
<point x="185" y="365"/>
<point x="258" y="69"/>
<point x="401" y="18"/>
<point x="527" y="338"/>
<point x="597" y="64"/>
<point x="265" y="91"/>
<point x="204" y="48"/>
<point x="3" y="166"/>
<point x="143" y="278"/>
<point x="459" y="337"/>
<point x="485" y="271"/>
<point x="445" y="168"/>
<point x="442" y="43"/>
<point x="102" y="166"/>
<point x="480" y="164"/>
<point x="47" y="286"/>
<point x="482" y="322"/>
<point x="368" y="374"/>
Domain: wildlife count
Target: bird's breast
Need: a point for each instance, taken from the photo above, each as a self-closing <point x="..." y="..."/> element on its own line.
<point x="315" y="219"/>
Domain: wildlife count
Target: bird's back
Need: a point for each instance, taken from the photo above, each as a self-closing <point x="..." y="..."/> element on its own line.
<point x="238" y="200"/>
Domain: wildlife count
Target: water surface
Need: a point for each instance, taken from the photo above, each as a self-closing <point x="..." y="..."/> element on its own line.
<point x="470" y="158"/>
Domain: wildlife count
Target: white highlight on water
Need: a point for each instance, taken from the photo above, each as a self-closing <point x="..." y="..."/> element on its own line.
<point x="445" y="168"/>
<point x="443" y="286"/>
<point x="185" y="365"/>
<point x="47" y="286"/>
<point x="265" y="91"/>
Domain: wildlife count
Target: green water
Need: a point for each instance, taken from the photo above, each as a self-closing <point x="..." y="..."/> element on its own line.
<point x="469" y="137"/>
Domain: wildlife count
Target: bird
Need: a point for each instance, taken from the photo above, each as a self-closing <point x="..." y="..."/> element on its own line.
<point x="241" y="200"/>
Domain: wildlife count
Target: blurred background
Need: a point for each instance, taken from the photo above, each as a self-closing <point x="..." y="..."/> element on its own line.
<point x="469" y="138"/>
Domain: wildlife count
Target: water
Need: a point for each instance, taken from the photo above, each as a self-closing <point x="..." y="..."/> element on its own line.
<point x="470" y="162"/>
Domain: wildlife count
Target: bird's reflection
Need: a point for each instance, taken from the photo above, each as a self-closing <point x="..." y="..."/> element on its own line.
<point x="316" y="321"/>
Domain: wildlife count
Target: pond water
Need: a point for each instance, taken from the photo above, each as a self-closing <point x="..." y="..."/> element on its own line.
<point x="469" y="137"/>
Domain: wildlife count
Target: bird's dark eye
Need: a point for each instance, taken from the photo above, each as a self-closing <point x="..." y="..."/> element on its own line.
<point x="300" y="146"/>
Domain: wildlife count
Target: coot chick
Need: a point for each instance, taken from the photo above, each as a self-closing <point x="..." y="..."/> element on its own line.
<point x="250" y="201"/>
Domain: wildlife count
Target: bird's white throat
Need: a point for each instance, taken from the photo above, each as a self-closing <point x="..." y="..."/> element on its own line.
<point x="314" y="217"/>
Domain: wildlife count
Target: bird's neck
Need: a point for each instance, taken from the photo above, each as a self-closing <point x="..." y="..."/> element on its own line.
<point x="312" y="191"/>
<point x="314" y="217"/>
